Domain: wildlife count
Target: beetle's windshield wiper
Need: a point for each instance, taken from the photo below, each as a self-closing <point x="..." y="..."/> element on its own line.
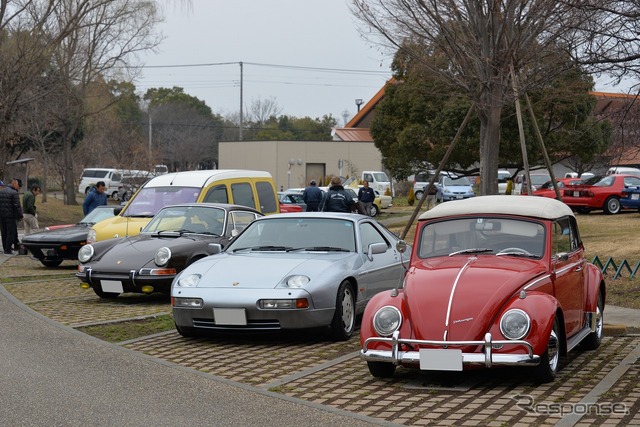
<point x="320" y="249"/>
<point x="471" y="251"/>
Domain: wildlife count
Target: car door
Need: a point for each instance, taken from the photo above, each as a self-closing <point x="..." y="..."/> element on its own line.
<point x="385" y="270"/>
<point x="568" y="265"/>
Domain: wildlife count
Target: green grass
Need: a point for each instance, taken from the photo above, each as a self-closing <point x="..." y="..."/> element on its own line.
<point x="123" y="331"/>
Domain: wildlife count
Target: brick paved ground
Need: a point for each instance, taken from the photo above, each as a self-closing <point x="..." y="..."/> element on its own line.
<point x="310" y="367"/>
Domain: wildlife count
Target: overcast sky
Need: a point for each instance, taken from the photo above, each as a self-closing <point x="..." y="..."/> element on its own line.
<point x="306" y="54"/>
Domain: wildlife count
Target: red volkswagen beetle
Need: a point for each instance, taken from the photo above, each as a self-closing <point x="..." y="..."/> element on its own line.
<point x="599" y="192"/>
<point x="492" y="281"/>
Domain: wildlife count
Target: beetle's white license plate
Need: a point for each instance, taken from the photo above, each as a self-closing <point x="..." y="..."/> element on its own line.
<point x="229" y="316"/>
<point x="111" y="286"/>
<point x="440" y="360"/>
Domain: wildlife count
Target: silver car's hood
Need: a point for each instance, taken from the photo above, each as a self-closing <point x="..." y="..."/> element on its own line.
<point x="267" y="271"/>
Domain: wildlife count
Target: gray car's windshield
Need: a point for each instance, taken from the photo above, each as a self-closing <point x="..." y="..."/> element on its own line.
<point x="149" y="201"/>
<point x="288" y="234"/>
<point x="482" y="235"/>
<point x="188" y="219"/>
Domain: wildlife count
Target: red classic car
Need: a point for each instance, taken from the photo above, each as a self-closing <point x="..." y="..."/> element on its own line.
<point x="599" y="192"/>
<point x="492" y="281"/>
<point x="547" y="190"/>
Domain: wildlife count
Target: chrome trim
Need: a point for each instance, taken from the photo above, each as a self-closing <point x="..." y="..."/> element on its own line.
<point x="568" y="267"/>
<point x="132" y="277"/>
<point x="487" y="358"/>
<point x="455" y="285"/>
<point x="535" y="282"/>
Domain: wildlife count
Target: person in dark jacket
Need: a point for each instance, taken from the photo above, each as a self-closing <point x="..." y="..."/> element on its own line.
<point x="337" y="199"/>
<point x="312" y="196"/>
<point x="366" y="196"/>
<point x="95" y="197"/>
<point x="10" y="214"/>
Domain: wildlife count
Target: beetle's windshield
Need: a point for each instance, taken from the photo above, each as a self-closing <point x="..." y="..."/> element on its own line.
<point x="292" y="233"/>
<point x="150" y="200"/>
<point x="486" y="235"/>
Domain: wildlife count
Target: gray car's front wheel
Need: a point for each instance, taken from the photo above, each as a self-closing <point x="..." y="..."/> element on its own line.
<point x="344" y="318"/>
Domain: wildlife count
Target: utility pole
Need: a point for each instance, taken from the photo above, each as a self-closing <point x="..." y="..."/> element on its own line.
<point x="241" y="117"/>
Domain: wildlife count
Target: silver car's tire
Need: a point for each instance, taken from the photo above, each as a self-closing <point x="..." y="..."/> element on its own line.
<point x="344" y="318"/>
<point x="186" y="331"/>
<point x="550" y="360"/>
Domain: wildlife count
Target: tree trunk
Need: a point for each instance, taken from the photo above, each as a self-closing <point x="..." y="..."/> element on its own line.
<point x="490" y="142"/>
<point x="69" y="187"/>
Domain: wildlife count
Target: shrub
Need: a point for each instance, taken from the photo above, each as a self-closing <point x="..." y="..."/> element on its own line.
<point x="411" y="198"/>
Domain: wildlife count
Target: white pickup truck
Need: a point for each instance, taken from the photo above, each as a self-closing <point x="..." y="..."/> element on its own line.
<point x="377" y="180"/>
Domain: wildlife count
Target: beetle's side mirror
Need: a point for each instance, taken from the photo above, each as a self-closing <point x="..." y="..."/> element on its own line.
<point x="401" y="246"/>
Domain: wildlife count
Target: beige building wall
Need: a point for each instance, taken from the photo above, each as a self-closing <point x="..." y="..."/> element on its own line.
<point x="287" y="160"/>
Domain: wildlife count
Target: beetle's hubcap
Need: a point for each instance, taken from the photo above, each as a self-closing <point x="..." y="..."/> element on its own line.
<point x="553" y="350"/>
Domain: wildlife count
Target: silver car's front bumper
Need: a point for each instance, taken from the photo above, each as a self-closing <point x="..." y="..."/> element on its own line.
<point x="486" y="358"/>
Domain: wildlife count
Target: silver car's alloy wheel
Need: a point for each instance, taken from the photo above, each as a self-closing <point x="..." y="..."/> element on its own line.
<point x="344" y="317"/>
<point x="348" y="311"/>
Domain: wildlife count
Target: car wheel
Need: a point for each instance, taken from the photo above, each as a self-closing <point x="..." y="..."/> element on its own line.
<point x="186" y="331"/>
<point x="593" y="340"/>
<point x="101" y="294"/>
<point x="344" y="318"/>
<point x="583" y="211"/>
<point x="125" y="197"/>
<point x="612" y="206"/>
<point x="419" y="194"/>
<point x="51" y="262"/>
<point x="374" y="210"/>
<point x="86" y="190"/>
<point x="548" y="368"/>
<point x="381" y="369"/>
<point x="114" y="195"/>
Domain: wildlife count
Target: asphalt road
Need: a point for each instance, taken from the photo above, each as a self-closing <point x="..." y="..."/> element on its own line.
<point x="52" y="375"/>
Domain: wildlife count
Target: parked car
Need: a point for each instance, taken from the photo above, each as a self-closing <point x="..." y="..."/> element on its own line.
<point x="290" y="271"/>
<point x="503" y="179"/>
<point x="493" y="281"/>
<point x="630" y="198"/>
<point x="453" y="187"/>
<point x="599" y="192"/>
<point x="420" y="181"/>
<point x="130" y="185"/>
<point x="537" y="180"/>
<point x="61" y="242"/>
<point x="293" y="198"/>
<point x="547" y="189"/>
<point x="175" y="237"/>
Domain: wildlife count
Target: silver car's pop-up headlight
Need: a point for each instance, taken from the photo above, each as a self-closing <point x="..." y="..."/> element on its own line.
<point x="297" y="281"/>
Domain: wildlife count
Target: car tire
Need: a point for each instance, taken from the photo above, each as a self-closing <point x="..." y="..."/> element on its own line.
<point x="612" y="206"/>
<point x="374" y="210"/>
<point x="381" y="369"/>
<point x="51" y="262"/>
<point x="107" y="295"/>
<point x="186" y="331"/>
<point x="418" y="194"/>
<point x="550" y="360"/>
<point x="114" y="195"/>
<point x="86" y="190"/>
<point x="593" y="340"/>
<point x="344" y="317"/>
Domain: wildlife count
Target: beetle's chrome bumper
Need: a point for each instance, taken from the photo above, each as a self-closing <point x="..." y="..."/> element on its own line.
<point x="486" y="358"/>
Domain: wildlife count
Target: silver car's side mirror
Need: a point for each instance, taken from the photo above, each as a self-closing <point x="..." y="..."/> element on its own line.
<point x="376" y="248"/>
<point x="214" y="248"/>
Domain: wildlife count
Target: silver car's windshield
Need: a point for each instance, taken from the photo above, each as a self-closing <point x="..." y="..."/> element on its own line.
<point x="288" y="234"/>
<point x="188" y="219"/>
<point x="149" y="201"/>
<point x="486" y="235"/>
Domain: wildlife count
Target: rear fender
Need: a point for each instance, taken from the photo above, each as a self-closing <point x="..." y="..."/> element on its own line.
<point x="594" y="284"/>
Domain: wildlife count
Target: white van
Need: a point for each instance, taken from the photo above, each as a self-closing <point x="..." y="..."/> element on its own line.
<point x="623" y="170"/>
<point x="112" y="179"/>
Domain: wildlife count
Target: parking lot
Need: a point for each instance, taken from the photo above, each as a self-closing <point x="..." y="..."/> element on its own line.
<point x="593" y="388"/>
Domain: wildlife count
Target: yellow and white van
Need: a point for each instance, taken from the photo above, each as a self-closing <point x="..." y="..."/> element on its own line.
<point x="255" y="189"/>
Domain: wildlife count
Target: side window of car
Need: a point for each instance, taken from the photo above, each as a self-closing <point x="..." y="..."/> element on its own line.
<point x="217" y="194"/>
<point x="243" y="194"/>
<point x="266" y="197"/>
<point x="240" y="220"/>
<point x="563" y="240"/>
<point x="369" y="235"/>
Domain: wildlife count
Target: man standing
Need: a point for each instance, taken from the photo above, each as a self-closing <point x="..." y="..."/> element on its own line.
<point x="337" y="199"/>
<point x="29" y="209"/>
<point x="366" y="196"/>
<point x="312" y="196"/>
<point x="96" y="197"/>
<point x="10" y="214"/>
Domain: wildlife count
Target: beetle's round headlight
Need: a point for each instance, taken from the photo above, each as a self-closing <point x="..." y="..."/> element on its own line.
<point x="297" y="281"/>
<point x="85" y="253"/>
<point x="189" y="281"/>
<point x="515" y="324"/>
<point x="91" y="236"/>
<point x="162" y="256"/>
<point x="387" y="320"/>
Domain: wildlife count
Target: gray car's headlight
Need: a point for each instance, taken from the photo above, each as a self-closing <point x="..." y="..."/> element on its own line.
<point x="188" y="281"/>
<point x="91" y="236"/>
<point x="162" y="256"/>
<point x="387" y="320"/>
<point x="515" y="324"/>
<point x="297" y="281"/>
<point x="85" y="253"/>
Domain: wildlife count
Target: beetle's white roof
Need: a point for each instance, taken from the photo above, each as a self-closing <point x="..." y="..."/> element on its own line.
<point x="533" y="206"/>
<point x="202" y="177"/>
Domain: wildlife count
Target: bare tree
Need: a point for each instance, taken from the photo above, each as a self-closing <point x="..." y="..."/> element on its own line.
<point x="479" y="46"/>
<point x="261" y="110"/>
